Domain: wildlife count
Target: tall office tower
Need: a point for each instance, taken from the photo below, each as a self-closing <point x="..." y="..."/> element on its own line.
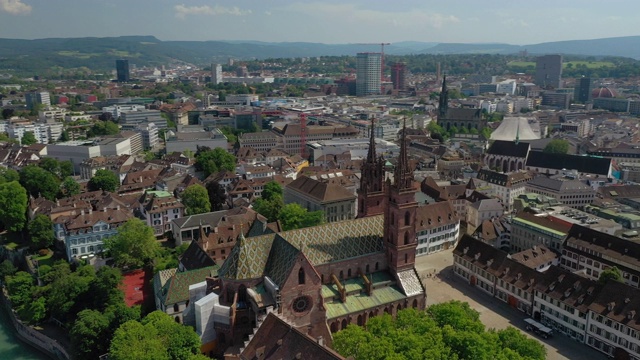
<point x="368" y="73"/>
<point x="122" y="68"/>
<point x="39" y="97"/>
<point x="549" y="71"/>
<point x="216" y="73"/>
<point x="583" y="91"/>
<point x="398" y="75"/>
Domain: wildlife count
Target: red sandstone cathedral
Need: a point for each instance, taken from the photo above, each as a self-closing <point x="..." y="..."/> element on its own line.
<point x="322" y="278"/>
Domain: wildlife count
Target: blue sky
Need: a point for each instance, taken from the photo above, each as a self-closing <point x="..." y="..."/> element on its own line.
<point x="328" y="21"/>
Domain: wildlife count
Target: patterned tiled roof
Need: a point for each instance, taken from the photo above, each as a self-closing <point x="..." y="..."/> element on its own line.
<point x="320" y="244"/>
<point x="282" y="259"/>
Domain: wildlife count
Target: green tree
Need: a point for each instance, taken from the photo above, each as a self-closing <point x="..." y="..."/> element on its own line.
<point x="36" y="310"/>
<point x="196" y="200"/>
<point x="28" y="138"/>
<point x="106" y="288"/>
<point x="7" y="269"/>
<point x="512" y="338"/>
<point x="612" y="273"/>
<point x="269" y="208"/>
<point x="293" y="216"/>
<point x="157" y="336"/>
<point x="39" y="182"/>
<point x="458" y="315"/>
<point x="69" y="187"/>
<point x="104" y="180"/>
<point x="8" y="175"/>
<point x="217" y="195"/>
<point x="133" y="245"/>
<point x="557" y="146"/>
<point x="20" y="287"/>
<point x="66" y="169"/>
<point x="90" y="333"/>
<point x="64" y="136"/>
<point x="67" y="294"/>
<point x="13" y="206"/>
<point x="101" y="128"/>
<point x="486" y="132"/>
<point x="134" y="341"/>
<point x="41" y="231"/>
<point x="211" y="161"/>
<point x="271" y="190"/>
<point x="51" y="165"/>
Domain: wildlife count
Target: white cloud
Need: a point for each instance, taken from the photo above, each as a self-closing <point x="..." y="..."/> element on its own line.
<point x="182" y="11"/>
<point x="15" y="7"/>
<point x="411" y="19"/>
<point x="268" y="13"/>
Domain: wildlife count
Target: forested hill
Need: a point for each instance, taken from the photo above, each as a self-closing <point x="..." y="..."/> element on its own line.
<point x="32" y="56"/>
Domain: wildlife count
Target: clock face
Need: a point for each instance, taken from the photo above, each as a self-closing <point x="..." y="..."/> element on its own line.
<point x="301" y="304"/>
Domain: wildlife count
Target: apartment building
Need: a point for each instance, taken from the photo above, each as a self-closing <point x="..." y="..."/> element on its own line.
<point x="529" y="230"/>
<point x="437" y="229"/>
<point x="504" y="186"/>
<point x="159" y="208"/>
<point x="592" y="252"/>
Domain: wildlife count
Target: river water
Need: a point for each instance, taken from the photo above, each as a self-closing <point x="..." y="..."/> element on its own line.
<point x="11" y="347"/>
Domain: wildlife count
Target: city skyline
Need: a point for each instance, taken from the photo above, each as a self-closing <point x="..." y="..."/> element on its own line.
<point x="326" y="21"/>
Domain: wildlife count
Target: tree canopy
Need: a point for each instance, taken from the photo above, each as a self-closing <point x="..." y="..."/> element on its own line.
<point x="133" y="245"/>
<point x="69" y="187"/>
<point x="217" y="195"/>
<point x="271" y="190"/>
<point x="444" y="331"/>
<point x="612" y="273"/>
<point x="211" y="161"/>
<point x="156" y="337"/>
<point x="557" y="146"/>
<point x="28" y="138"/>
<point x="293" y="216"/>
<point x="103" y="128"/>
<point x="195" y="198"/>
<point x="39" y="182"/>
<point x="13" y="206"/>
<point x="104" y="180"/>
<point x="41" y="231"/>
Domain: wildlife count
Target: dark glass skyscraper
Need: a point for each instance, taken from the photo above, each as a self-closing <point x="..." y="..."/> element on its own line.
<point x="122" y="68"/>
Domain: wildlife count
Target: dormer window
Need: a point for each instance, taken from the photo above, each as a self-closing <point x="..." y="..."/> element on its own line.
<point x="610" y="306"/>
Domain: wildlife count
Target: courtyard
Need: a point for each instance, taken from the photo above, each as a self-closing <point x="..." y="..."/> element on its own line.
<point x="442" y="285"/>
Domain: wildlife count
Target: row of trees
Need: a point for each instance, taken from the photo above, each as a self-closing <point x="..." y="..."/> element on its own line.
<point x="449" y="330"/>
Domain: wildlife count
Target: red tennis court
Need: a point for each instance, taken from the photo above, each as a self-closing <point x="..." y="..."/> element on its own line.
<point x="136" y="288"/>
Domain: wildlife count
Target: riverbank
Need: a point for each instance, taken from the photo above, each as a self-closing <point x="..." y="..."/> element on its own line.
<point x="28" y="335"/>
<point x="11" y="347"/>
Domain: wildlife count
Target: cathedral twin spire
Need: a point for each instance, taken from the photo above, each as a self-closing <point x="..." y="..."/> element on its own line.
<point x="403" y="174"/>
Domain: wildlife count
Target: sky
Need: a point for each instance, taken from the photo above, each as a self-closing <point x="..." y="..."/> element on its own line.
<point x="518" y="22"/>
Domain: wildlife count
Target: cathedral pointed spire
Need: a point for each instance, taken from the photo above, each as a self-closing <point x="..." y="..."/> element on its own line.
<point x="371" y="155"/>
<point x="202" y="238"/>
<point x="403" y="175"/>
<point x="518" y="133"/>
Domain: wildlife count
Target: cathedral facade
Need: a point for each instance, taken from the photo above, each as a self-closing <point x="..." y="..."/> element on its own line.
<point x="457" y="117"/>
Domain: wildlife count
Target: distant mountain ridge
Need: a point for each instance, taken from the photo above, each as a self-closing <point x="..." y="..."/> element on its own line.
<point x="100" y="53"/>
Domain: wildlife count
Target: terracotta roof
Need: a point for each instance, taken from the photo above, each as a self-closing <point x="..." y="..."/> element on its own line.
<point x="535" y="257"/>
<point x="618" y="302"/>
<point x="276" y="339"/>
<point x="435" y="215"/>
<point x="323" y="192"/>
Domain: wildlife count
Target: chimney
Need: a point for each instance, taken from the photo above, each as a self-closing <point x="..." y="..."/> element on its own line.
<point x="320" y="340"/>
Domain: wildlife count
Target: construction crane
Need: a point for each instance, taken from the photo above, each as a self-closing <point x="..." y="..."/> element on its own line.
<point x="382" y="45"/>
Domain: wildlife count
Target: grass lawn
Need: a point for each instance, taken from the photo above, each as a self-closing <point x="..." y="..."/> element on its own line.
<point x="45" y="259"/>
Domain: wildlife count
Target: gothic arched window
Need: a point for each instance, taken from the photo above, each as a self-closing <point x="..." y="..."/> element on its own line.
<point x="407" y="218"/>
<point x="301" y="276"/>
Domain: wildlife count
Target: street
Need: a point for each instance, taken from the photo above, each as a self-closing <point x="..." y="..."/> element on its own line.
<point x="442" y="285"/>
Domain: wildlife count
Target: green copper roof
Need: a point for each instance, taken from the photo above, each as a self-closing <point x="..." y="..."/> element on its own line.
<point x="361" y="301"/>
<point x="176" y="289"/>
